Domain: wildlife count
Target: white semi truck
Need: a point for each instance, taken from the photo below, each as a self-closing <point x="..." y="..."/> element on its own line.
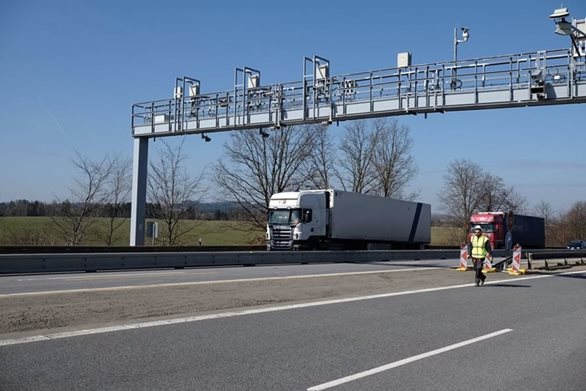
<point x="340" y="220"/>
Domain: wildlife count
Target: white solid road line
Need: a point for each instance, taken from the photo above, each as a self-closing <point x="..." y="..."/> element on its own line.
<point x="405" y="361"/>
<point x="215" y="316"/>
<point x="252" y="311"/>
<point x="105" y="275"/>
<point x="172" y="284"/>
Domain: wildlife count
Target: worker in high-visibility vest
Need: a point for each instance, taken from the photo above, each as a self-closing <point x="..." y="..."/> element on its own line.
<point x="479" y="249"/>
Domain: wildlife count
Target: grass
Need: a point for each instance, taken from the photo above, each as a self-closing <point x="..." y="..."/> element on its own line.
<point x="443" y="236"/>
<point x="42" y="231"/>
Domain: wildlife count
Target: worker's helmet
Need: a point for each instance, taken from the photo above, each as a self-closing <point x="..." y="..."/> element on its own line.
<point x="477" y="227"/>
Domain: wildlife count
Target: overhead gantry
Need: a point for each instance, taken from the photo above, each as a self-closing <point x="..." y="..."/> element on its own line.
<point x="550" y="77"/>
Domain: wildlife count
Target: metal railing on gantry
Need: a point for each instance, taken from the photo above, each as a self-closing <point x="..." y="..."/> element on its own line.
<point x="527" y="79"/>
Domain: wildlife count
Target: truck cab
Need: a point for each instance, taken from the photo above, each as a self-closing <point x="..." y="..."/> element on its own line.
<point x="297" y="220"/>
<point x="505" y="229"/>
<point x="493" y="226"/>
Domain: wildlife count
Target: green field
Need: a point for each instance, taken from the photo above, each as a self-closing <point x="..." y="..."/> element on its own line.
<point x="42" y="231"/>
<point x="445" y="236"/>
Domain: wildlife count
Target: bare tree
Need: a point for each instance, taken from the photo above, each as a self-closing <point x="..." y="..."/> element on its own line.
<point x="498" y="196"/>
<point x="75" y="216"/>
<point x="493" y="193"/>
<point x="393" y="163"/>
<point x="468" y="189"/>
<point x="545" y="210"/>
<point x="321" y="164"/>
<point x="576" y="221"/>
<point x="515" y="202"/>
<point x="171" y="188"/>
<point x="256" y="167"/>
<point x="461" y="194"/>
<point x="117" y="190"/>
<point x="357" y="153"/>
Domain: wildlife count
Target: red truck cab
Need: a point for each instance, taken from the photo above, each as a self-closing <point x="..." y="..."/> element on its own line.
<point x="493" y="226"/>
<point x="505" y="229"/>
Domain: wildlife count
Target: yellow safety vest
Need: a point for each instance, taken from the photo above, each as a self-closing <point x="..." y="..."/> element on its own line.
<point x="478" y="246"/>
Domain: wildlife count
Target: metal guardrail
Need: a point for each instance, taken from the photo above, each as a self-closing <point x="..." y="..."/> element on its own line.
<point x="556" y="259"/>
<point x="90" y="262"/>
<point x="121" y="249"/>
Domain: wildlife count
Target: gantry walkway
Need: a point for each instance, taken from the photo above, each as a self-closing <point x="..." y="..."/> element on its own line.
<point x="528" y="79"/>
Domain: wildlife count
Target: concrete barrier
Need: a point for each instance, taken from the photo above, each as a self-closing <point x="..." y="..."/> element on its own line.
<point x="71" y="262"/>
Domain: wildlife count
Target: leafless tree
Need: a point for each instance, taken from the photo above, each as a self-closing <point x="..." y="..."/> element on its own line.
<point x="468" y="189"/>
<point x="256" y="167"/>
<point x="321" y="164"/>
<point x="568" y="225"/>
<point x="576" y="221"/>
<point x="77" y="213"/>
<point x="545" y="210"/>
<point x="171" y="188"/>
<point x="461" y="194"/>
<point x="496" y="195"/>
<point x="357" y="154"/>
<point x="117" y="188"/>
<point x="493" y="193"/>
<point x="515" y="202"/>
<point x="393" y="163"/>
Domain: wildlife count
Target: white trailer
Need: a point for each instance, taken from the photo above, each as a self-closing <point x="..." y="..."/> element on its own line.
<point x="322" y="219"/>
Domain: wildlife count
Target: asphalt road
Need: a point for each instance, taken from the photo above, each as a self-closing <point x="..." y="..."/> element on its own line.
<point x="11" y="284"/>
<point x="532" y="334"/>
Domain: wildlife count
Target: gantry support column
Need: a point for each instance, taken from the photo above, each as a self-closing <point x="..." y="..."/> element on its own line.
<point x="139" y="189"/>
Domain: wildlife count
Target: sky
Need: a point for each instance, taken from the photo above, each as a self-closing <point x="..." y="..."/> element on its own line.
<point x="71" y="70"/>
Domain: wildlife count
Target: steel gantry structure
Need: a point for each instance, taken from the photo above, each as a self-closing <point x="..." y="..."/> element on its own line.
<point x="550" y="77"/>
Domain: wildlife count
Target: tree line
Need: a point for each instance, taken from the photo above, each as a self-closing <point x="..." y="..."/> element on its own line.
<point x="195" y="211"/>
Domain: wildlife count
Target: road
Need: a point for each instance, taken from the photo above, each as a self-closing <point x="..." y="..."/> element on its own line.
<point x="415" y="329"/>
<point x="55" y="282"/>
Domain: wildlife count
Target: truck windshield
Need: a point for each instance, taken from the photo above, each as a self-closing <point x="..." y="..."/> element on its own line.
<point x="487" y="228"/>
<point x="285" y="216"/>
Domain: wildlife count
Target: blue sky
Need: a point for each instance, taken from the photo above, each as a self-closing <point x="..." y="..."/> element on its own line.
<point x="70" y="71"/>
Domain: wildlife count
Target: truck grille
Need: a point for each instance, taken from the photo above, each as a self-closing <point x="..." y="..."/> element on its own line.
<point x="281" y="237"/>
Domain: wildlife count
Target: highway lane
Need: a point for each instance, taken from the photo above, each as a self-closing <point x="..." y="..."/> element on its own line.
<point x="11" y="284"/>
<point x="308" y="347"/>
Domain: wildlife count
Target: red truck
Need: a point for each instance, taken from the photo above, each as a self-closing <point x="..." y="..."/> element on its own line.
<point x="506" y="229"/>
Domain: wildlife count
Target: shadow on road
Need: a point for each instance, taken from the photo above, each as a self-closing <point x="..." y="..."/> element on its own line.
<point x="559" y="274"/>
<point x="580" y="276"/>
<point x="508" y="285"/>
<point x="391" y="264"/>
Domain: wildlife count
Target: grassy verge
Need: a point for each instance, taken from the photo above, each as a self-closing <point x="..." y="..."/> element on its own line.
<point x="42" y="231"/>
